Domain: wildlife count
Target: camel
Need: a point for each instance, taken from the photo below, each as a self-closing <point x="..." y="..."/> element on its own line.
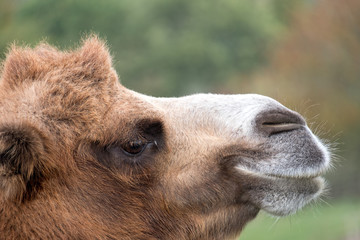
<point x="83" y="157"/>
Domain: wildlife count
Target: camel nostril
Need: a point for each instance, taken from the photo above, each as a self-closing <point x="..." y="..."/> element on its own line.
<point x="273" y="122"/>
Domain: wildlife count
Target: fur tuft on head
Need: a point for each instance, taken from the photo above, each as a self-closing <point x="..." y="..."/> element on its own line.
<point x="91" y="61"/>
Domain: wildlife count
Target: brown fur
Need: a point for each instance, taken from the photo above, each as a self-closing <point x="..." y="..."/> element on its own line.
<point x="64" y="120"/>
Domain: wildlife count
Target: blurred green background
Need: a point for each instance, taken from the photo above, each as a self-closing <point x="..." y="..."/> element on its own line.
<point x="304" y="53"/>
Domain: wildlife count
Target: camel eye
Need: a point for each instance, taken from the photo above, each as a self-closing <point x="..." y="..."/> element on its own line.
<point x="134" y="148"/>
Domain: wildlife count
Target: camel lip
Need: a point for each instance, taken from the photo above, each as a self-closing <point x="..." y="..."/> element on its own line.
<point x="295" y="177"/>
<point x="300" y="176"/>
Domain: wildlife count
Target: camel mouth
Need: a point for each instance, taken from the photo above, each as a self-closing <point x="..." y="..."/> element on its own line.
<point x="299" y="176"/>
<point x="282" y="195"/>
<point x="305" y="176"/>
<point x="285" y="173"/>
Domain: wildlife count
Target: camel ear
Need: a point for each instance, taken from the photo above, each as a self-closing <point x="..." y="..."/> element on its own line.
<point x="20" y="65"/>
<point x="95" y="60"/>
<point x="26" y="64"/>
<point x="21" y="160"/>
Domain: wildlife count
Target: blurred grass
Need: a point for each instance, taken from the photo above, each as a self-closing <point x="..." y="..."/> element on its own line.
<point x="337" y="221"/>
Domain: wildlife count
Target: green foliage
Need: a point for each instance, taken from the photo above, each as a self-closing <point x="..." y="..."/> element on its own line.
<point x="160" y="46"/>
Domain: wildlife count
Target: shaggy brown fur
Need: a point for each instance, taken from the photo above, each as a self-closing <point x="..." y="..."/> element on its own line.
<point x="82" y="157"/>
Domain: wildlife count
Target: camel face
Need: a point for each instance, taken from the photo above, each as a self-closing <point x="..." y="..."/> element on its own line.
<point x="81" y="156"/>
<point x="266" y="150"/>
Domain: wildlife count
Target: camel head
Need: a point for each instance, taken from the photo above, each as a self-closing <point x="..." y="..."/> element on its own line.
<point x="83" y="157"/>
